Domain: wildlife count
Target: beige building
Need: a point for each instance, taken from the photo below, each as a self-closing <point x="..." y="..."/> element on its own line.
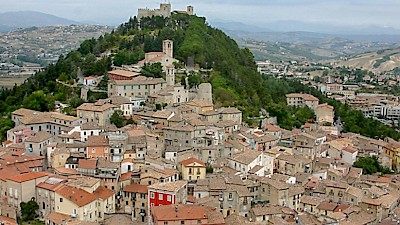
<point x="200" y="106"/>
<point x="135" y="199"/>
<point x="325" y="114"/>
<point x="137" y="87"/>
<point x="22" y="187"/>
<point x="51" y="122"/>
<point x="302" y="100"/>
<point x="193" y="169"/>
<point x="45" y="193"/>
<point x="76" y="202"/>
<point x="37" y="144"/>
<point x="99" y="112"/>
<point x="274" y="191"/>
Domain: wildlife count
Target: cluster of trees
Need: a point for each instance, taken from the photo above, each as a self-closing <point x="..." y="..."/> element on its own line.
<point x="118" y="119"/>
<point x="371" y="165"/>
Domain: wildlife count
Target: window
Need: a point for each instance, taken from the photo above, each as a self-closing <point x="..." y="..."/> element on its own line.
<point x="169" y="198"/>
<point x="61" y="199"/>
<point x="160" y="197"/>
<point x="152" y="195"/>
<point x="145" y="87"/>
<point x="124" y="87"/>
<point x="182" y="222"/>
<point x="133" y="87"/>
<point x="93" y="150"/>
<point x="165" y="223"/>
<point x="105" y="150"/>
<point x="139" y="86"/>
<point x="230" y="196"/>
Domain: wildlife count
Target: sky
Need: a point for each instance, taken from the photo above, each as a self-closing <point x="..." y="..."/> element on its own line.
<point x="382" y="13"/>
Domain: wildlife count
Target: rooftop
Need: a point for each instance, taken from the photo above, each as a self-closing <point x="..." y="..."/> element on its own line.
<point x="171" y="186"/>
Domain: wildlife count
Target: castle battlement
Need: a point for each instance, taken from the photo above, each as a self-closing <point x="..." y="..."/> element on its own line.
<point x="164" y="11"/>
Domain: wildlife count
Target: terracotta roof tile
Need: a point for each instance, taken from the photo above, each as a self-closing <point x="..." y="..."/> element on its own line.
<point x="186" y="212"/>
<point x="136" y="188"/>
<point x="90" y="164"/>
<point x="57" y="218"/>
<point x="27" y="176"/>
<point x="103" y="193"/>
<point x="77" y="196"/>
<point x="192" y="160"/>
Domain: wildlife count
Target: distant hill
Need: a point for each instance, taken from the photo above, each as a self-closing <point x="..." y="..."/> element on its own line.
<point x="300" y="32"/>
<point x="378" y="61"/>
<point x="10" y="21"/>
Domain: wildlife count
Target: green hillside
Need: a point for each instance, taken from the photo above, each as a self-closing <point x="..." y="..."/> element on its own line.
<point x="234" y="75"/>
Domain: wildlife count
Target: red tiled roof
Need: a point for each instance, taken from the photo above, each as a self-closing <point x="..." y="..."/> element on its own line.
<point x="90" y="164"/>
<point x="125" y="176"/>
<point x="136" y="188"/>
<point x="50" y="187"/>
<point x="77" y="196"/>
<point x="103" y="192"/>
<point x="57" y="218"/>
<point x="27" y="176"/>
<point x="184" y="212"/>
<point x="192" y="160"/>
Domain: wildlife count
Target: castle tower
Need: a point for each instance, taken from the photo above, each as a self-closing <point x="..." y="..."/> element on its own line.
<point x="165" y="9"/>
<point x="170" y="77"/>
<point x="190" y="10"/>
<point x="168" y="48"/>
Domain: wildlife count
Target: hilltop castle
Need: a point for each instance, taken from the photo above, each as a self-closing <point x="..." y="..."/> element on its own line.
<point x="164" y="11"/>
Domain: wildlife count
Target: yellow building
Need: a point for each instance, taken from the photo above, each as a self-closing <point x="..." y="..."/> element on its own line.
<point x="193" y="169"/>
<point x="392" y="149"/>
<point x="83" y="205"/>
<point x="76" y="202"/>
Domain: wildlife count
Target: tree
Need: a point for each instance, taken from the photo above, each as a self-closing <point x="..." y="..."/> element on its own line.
<point x="39" y="101"/>
<point x="370" y="165"/>
<point x="152" y="70"/>
<point x="28" y="209"/>
<point x="117" y="118"/>
<point x="209" y="169"/>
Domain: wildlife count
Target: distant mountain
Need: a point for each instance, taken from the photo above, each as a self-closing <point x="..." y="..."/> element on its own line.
<point x="10" y="21"/>
<point x="298" y="30"/>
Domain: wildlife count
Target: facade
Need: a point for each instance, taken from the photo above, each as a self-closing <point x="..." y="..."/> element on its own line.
<point x="138" y="87"/>
<point x="167" y="193"/>
<point x="52" y="122"/>
<point x="302" y="100"/>
<point x="99" y="112"/>
<point x="193" y="169"/>
<point x="186" y="214"/>
<point x="135" y="201"/>
<point x="37" y="144"/>
<point x="325" y="114"/>
<point x="98" y="146"/>
<point x="22" y="187"/>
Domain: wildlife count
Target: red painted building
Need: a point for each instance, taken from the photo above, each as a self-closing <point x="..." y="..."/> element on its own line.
<point x="167" y="193"/>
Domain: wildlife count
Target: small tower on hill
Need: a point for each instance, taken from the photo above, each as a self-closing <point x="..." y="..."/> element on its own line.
<point x="190" y="10"/>
<point x="170" y="76"/>
<point x="168" y="48"/>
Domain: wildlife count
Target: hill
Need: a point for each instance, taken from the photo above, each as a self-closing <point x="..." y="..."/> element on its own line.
<point x="276" y="46"/>
<point x="234" y="75"/>
<point x="10" y="21"/>
<point x="377" y="61"/>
